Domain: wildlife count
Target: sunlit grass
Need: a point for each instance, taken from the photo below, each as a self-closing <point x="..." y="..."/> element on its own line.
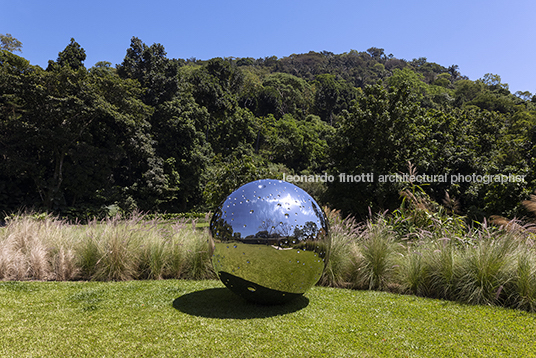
<point x="181" y="318"/>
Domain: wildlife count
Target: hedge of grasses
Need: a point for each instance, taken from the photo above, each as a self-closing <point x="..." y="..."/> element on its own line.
<point x="445" y="258"/>
<point x="46" y="248"/>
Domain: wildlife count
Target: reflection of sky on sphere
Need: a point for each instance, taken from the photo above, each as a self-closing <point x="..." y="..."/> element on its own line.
<point x="269" y="205"/>
<point x="270" y="241"/>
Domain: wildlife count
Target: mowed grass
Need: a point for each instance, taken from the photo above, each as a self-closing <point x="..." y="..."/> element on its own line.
<point x="183" y="318"/>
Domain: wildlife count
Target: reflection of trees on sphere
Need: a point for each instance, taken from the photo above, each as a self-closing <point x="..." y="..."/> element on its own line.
<point x="270" y="241"/>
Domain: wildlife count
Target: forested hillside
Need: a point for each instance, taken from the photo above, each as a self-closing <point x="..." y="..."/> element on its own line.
<point x="172" y="135"/>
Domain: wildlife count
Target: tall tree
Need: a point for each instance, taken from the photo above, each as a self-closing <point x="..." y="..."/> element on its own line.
<point x="156" y="73"/>
<point x="327" y="96"/>
<point x="216" y="87"/>
<point x="58" y="131"/>
<point x="376" y="53"/>
<point x="9" y="43"/>
<point x="73" y="56"/>
<point x="287" y="94"/>
<point x="184" y="150"/>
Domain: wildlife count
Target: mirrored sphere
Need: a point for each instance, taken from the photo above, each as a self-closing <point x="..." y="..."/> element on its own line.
<point x="270" y="241"/>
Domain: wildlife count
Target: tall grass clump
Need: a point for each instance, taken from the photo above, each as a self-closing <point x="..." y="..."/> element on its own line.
<point x="442" y="261"/>
<point x="194" y="254"/>
<point x="134" y="248"/>
<point x="478" y="264"/>
<point x="413" y="268"/>
<point x="374" y="260"/>
<point x="174" y="251"/>
<point x="523" y="285"/>
<point x="487" y="267"/>
<point x="429" y="264"/>
<point x="344" y="235"/>
<point x="116" y="246"/>
<point x="36" y="247"/>
<point x="521" y="288"/>
<point x="88" y="251"/>
<point x="41" y="247"/>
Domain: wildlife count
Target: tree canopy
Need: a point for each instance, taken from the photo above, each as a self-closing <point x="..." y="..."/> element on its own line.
<point x="9" y="43"/>
<point x="172" y="135"/>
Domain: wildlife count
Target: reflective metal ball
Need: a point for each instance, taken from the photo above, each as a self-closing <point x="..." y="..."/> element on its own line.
<point x="270" y="241"/>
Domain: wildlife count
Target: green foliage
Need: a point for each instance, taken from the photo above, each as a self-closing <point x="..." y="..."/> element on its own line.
<point x="285" y="94"/>
<point x="70" y="130"/>
<point x="407" y="77"/>
<point x="332" y="96"/>
<point x="298" y="144"/>
<point x="184" y="150"/>
<point x="154" y="71"/>
<point x="227" y="174"/>
<point x="73" y="56"/>
<point x="380" y="134"/>
<point x="9" y="43"/>
<point x="214" y="86"/>
<point x="151" y="133"/>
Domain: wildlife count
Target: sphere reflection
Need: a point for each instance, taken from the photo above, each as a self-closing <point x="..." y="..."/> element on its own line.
<point x="270" y="241"/>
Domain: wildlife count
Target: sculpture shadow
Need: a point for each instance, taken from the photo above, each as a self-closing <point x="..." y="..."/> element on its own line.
<point x="224" y="304"/>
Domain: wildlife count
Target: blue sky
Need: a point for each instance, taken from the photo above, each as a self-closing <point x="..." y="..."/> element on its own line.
<point x="480" y="36"/>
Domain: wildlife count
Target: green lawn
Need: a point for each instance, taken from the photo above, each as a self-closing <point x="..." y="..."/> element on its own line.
<point x="179" y="318"/>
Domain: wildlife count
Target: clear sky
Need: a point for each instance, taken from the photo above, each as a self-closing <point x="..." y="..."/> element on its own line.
<point x="480" y="36"/>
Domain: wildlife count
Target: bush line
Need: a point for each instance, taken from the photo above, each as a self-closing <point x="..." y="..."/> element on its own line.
<point x="476" y="265"/>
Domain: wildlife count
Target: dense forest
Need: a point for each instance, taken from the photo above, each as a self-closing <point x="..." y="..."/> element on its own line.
<point x="159" y="134"/>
